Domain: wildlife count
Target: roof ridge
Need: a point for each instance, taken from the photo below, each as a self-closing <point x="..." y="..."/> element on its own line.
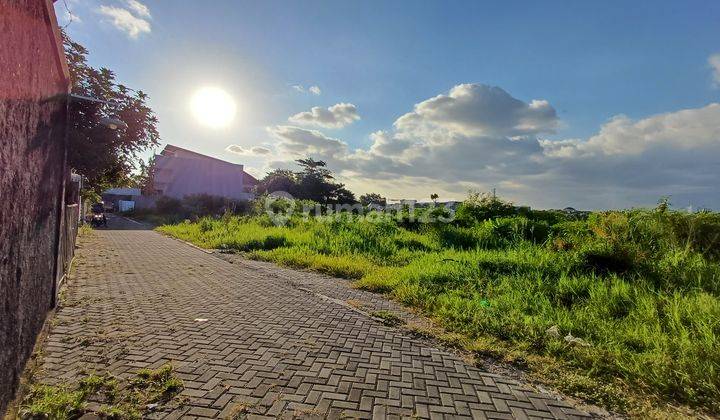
<point x="170" y="147"/>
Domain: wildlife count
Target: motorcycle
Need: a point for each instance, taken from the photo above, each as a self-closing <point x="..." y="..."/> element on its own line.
<point x="98" y="216"/>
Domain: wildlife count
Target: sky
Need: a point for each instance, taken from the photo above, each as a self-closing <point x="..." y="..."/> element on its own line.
<point x="593" y="105"/>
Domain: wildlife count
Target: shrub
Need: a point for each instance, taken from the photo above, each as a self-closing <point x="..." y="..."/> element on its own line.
<point x="606" y="257"/>
<point x="698" y="232"/>
<point x="571" y="233"/>
<point x="481" y="236"/>
<point x="516" y="229"/>
<point x="168" y="205"/>
<point x="479" y="207"/>
<point x="205" y="224"/>
<point x="552" y="217"/>
<point x="213" y="205"/>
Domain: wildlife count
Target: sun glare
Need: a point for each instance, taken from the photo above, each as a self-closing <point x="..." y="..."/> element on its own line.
<point x="213" y="107"/>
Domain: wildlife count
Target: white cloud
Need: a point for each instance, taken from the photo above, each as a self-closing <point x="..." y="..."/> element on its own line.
<point x="438" y="140"/>
<point x="253" y="151"/>
<point x="676" y="153"/>
<point x="384" y="144"/>
<point x="714" y="62"/>
<point x="477" y="136"/>
<point x="140" y="9"/>
<point x="481" y="110"/>
<point x="296" y="141"/>
<point x="688" y="129"/>
<point x="125" y="21"/>
<point x="234" y="148"/>
<point x="314" y="90"/>
<point x="336" y="116"/>
<point x="257" y="150"/>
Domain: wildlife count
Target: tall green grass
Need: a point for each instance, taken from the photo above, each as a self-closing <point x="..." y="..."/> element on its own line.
<point x="640" y="288"/>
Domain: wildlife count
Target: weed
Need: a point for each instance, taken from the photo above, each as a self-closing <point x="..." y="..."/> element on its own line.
<point x="240" y="411"/>
<point x="157" y="386"/>
<point x="53" y="402"/>
<point x="121" y="401"/>
<point x="388" y="318"/>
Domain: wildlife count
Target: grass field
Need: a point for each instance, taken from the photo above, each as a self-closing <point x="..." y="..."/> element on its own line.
<point x="609" y="307"/>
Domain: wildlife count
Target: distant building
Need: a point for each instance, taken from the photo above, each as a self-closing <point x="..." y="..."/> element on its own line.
<point x="180" y="172"/>
<point x="120" y="199"/>
<point x="124" y="193"/>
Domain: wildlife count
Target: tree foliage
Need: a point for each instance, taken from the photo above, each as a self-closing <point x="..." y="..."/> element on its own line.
<point x="277" y="180"/>
<point x="313" y="182"/>
<point x="105" y="157"/>
<point x="373" y="198"/>
<point x="143" y="177"/>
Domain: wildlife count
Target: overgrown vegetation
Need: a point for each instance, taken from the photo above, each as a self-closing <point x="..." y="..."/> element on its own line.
<point x="191" y="207"/>
<point x="111" y="398"/>
<point x="388" y="318"/>
<point x="618" y="298"/>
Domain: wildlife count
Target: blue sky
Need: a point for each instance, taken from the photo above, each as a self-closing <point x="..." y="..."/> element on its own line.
<point x="590" y="61"/>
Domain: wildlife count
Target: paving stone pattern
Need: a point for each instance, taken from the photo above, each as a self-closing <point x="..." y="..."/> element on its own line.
<point x="273" y="344"/>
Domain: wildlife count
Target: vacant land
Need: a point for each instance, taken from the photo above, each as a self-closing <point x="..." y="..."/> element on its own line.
<point x="620" y="308"/>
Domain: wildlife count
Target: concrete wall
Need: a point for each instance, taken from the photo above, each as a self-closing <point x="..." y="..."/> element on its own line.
<point x="33" y="113"/>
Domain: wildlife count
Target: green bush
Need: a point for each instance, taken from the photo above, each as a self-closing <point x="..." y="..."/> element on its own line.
<point x="480" y="207"/>
<point x="517" y="229"/>
<point x="607" y="257"/>
<point x="194" y="206"/>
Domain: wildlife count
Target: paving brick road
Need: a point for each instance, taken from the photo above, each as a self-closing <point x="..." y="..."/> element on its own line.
<point x="271" y="345"/>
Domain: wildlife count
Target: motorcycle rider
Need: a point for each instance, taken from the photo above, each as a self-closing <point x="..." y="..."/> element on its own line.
<point x="98" y="218"/>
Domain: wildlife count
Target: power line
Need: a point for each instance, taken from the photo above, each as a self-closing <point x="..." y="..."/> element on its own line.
<point x="70" y="14"/>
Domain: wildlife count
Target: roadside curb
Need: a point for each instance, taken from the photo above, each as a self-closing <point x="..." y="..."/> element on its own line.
<point x="186" y="243"/>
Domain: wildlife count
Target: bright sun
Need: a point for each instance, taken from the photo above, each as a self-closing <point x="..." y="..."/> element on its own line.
<point x="213" y="107"/>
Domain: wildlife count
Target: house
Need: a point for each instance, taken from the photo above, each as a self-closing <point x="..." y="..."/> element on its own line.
<point x="179" y="172"/>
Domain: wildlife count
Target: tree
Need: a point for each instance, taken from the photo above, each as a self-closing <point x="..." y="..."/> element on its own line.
<point x="434" y="197"/>
<point x="143" y="177"/>
<point x="314" y="182"/>
<point x="317" y="183"/>
<point x="105" y="157"/>
<point x="342" y="195"/>
<point x="315" y="167"/>
<point x="373" y="198"/>
<point x="277" y="180"/>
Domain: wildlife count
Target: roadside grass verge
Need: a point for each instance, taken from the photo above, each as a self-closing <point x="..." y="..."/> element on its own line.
<point x="620" y="309"/>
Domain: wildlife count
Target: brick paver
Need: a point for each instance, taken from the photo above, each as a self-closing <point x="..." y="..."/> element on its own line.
<point x="275" y="343"/>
